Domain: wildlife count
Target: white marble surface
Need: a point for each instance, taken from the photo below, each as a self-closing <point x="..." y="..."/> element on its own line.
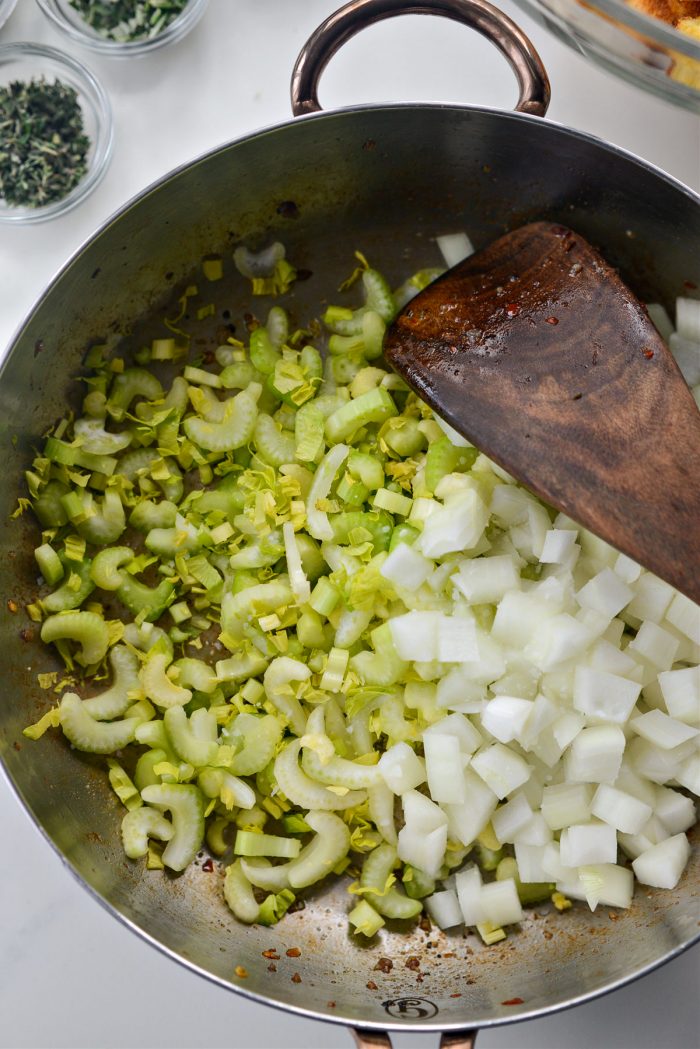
<point x="70" y="975"/>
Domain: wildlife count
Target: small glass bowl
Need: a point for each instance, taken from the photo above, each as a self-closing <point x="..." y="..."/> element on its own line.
<point x="643" y="50"/>
<point x="69" y="22"/>
<point x="25" y="61"/>
<point x="6" y="9"/>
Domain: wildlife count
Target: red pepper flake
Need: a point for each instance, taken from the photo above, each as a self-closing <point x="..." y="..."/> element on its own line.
<point x="457" y="995"/>
<point x="272" y="968"/>
<point x="648" y="354"/>
<point x="12" y="606"/>
<point x="331" y="1005"/>
<point x="296" y="978"/>
<point x="271" y="953"/>
<point x="449" y="954"/>
<point x="513" y="1001"/>
<point x="371" y="986"/>
<point x="552" y="320"/>
<point x="384" y="965"/>
<point x="512" y="309"/>
<point x="413" y="963"/>
<point x="208" y="866"/>
<point x="293" y="952"/>
<point x="241" y="972"/>
<point x="690" y="284"/>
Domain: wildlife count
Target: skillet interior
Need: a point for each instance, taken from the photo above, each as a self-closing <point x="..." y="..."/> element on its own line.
<point x="384" y="180"/>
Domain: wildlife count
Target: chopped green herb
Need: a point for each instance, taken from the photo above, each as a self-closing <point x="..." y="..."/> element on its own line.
<point x="43" y="144"/>
<point x="127" y="20"/>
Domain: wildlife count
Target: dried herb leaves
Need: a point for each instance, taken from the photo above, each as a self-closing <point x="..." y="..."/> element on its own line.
<point x="43" y="144"/>
<point x="126" y="20"/>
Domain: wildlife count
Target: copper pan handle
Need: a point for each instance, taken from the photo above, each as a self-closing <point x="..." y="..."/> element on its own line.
<point x="339" y="27"/>
<point x="365" y="1039"/>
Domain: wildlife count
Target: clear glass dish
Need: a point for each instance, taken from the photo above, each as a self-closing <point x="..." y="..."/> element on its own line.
<point x="25" y="61"/>
<point x="6" y="9"/>
<point x="67" y="19"/>
<point x="643" y="50"/>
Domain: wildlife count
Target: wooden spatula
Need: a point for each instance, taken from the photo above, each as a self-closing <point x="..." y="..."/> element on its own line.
<point x="538" y="353"/>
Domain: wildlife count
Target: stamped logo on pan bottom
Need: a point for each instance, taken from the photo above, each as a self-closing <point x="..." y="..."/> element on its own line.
<point x="410" y="1008"/>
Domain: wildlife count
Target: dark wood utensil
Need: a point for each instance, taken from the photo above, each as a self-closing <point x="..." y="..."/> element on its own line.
<point x="537" y="352"/>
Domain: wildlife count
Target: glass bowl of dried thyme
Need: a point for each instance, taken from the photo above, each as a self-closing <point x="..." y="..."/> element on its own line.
<point x="124" y="28"/>
<point x="55" y="132"/>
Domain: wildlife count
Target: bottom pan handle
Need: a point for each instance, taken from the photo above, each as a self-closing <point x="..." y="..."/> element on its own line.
<point x="365" y="1039"/>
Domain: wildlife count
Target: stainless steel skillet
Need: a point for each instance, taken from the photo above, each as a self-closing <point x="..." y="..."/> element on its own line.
<point x="384" y="179"/>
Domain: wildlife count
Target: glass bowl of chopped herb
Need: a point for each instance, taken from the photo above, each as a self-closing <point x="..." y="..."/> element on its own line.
<point x="124" y="28"/>
<point x="55" y="132"/>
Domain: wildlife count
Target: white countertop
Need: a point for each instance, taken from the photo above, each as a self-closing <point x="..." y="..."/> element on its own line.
<point x="70" y="975"/>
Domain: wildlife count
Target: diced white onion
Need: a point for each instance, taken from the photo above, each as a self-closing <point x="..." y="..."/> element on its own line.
<point x="455" y="247"/>
<point x="485" y="580"/>
<point x="407" y="567"/>
<point x="603" y="696"/>
<point x="505" y="717"/>
<point x="586" y="843"/>
<point x="660" y="319"/>
<point x="445" y="767"/>
<point x="468" y="885"/>
<point x="595" y="755"/>
<point x="605" y="593"/>
<point x="501" y="769"/>
<point x="443" y="907"/>
<point x="607" y="883"/>
<point x="401" y="768"/>
<point x="662" y="730"/>
<point x="508" y="819"/>
<point x="687" y="355"/>
<point x="566" y="803"/>
<point x="662" y="864"/>
<point x="500" y="902"/>
<point x="622" y="811"/>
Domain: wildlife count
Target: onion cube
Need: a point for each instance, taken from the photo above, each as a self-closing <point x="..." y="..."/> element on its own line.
<point x="407" y="567"/>
<point x="681" y="692"/>
<point x="454" y="247"/>
<point x="518" y="617"/>
<point x="607" y="883"/>
<point x="684" y="615"/>
<point x="425" y="851"/>
<point x="655" y="645"/>
<point x="622" y="811"/>
<point x="676" y="811"/>
<point x="688" y="775"/>
<point x="662" y="864"/>
<point x="605" y="593"/>
<point x="651" y="598"/>
<point x="687" y="355"/>
<point x="505" y="717"/>
<point x="444" y="764"/>
<point x="657" y="764"/>
<point x="443" y="907"/>
<point x="458" y="525"/>
<point x="688" y="319"/>
<point x="500" y="902"/>
<point x="559" y="639"/>
<point x="415" y="635"/>
<point x="422" y="813"/>
<point x="485" y="580"/>
<point x="508" y="819"/>
<point x="543" y="714"/>
<point x="401" y="768"/>
<point x="586" y="843"/>
<point x="606" y="697"/>
<point x="501" y="769"/>
<point x="457" y="691"/>
<point x="559" y="544"/>
<point x="535" y="832"/>
<point x="461" y="728"/>
<point x="466" y="821"/>
<point x="595" y="755"/>
<point x="566" y="803"/>
<point x="456" y="640"/>
<point x="627" y="569"/>
<point x="663" y="731"/>
<point x="529" y="860"/>
<point x="608" y="657"/>
<point x="468" y="886"/>
<point x="659" y="317"/>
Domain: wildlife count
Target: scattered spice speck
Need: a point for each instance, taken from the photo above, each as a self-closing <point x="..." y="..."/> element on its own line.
<point x="241" y="972"/>
<point x="293" y="952"/>
<point x="296" y="978"/>
<point x="371" y="985"/>
<point x="413" y="964"/>
<point x="272" y="968"/>
<point x="513" y="1001"/>
<point x="271" y="953"/>
<point x="384" y="965"/>
<point x="12" y="606"/>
